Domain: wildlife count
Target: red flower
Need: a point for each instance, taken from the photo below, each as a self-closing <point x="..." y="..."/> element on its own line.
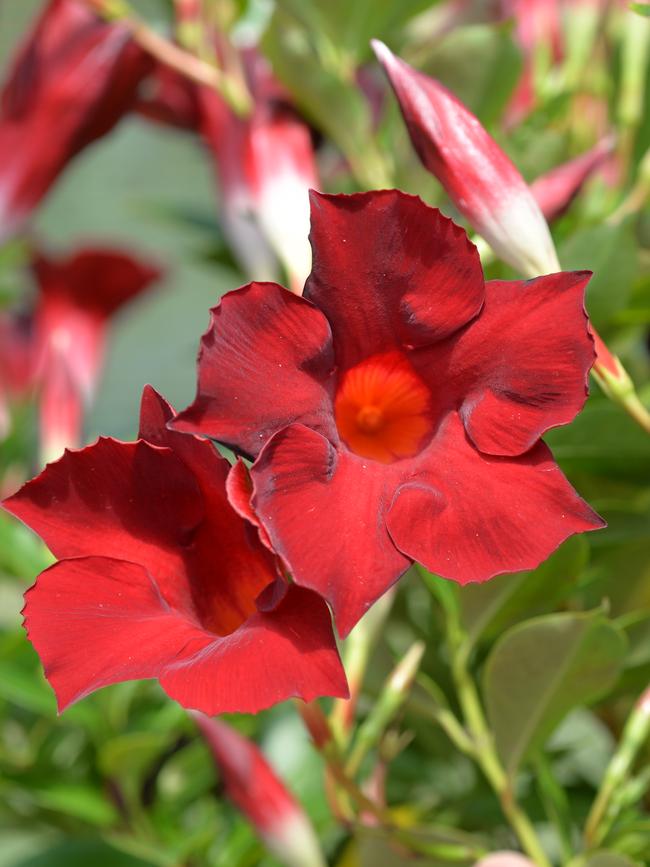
<point x="16" y="363"/>
<point x="266" y="166"/>
<point x="78" y="296"/>
<point x="255" y="788"/>
<point x="159" y="577"/>
<point x="73" y="79"/>
<point x="395" y="410"/>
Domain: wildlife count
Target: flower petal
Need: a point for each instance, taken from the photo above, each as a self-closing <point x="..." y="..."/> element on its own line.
<point x="387" y="270"/>
<point x="96" y="621"/>
<point x="273" y="656"/>
<point x="324" y="512"/>
<point x="131" y="501"/>
<point x="225" y="593"/>
<point x="265" y="362"/>
<point x="522" y="366"/>
<point x="470" y="516"/>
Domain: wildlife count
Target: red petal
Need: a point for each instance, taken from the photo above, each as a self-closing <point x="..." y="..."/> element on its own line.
<point x="225" y="594"/>
<point x="522" y="366"/>
<point x="96" y="621"/>
<point x="130" y="501"/>
<point x="94" y="280"/>
<point x="388" y="270"/>
<point x="70" y="83"/>
<point x="265" y="362"/>
<point x="275" y="655"/>
<point x="324" y="511"/>
<point x="239" y="488"/>
<point x="469" y="516"/>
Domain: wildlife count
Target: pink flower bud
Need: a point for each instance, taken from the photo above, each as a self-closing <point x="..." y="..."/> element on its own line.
<point x="254" y="787"/>
<point x="480" y="179"/>
<point x="556" y="189"/>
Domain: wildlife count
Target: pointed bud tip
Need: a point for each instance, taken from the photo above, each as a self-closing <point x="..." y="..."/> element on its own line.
<point x="382" y="52"/>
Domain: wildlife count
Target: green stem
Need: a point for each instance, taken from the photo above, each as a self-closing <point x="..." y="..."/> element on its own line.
<point x="489" y="761"/>
<point x="484" y="748"/>
<point x="635" y="733"/>
<point x="556" y="804"/>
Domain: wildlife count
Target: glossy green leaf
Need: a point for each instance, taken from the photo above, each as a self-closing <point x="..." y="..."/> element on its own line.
<point x="493" y="606"/>
<point x="543" y="668"/>
<point x="611" y="253"/>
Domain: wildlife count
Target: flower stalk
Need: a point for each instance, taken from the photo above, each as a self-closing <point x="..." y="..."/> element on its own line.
<point x="483" y="742"/>
<point x="198" y="70"/>
<point x="605" y="807"/>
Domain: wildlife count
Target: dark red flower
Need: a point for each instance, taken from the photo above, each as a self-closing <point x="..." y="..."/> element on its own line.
<point x="78" y="294"/>
<point x="72" y="80"/>
<point x="395" y="411"/>
<point x="159" y="577"/>
<point x="266" y="165"/>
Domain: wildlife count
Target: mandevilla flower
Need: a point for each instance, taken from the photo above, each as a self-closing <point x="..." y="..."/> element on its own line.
<point x="159" y="577"/>
<point x="479" y="178"/>
<point x="255" y="788"/>
<point x="78" y="295"/>
<point x="73" y="79"/>
<point x="266" y="167"/>
<point x="395" y="411"/>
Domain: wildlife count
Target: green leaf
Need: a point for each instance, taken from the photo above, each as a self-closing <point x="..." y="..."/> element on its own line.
<point x="604" y="441"/>
<point x="454" y="60"/>
<point x="80" y="801"/>
<point x="326" y="93"/>
<point x="81" y="853"/>
<point x="611" y="253"/>
<point x="609" y="859"/>
<point x="542" y="669"/>
<point x="641" y="9"/>
<point x="349" y="27"/>
<point x="497" y="604"/>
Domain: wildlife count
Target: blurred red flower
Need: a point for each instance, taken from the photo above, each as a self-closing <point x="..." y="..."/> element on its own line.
<point x="72" y="80"/>
<point x="159" y="577"/>
<point x="255" y="788"/>
<point x="395" y="411"/>
<point x="78" y="294"/>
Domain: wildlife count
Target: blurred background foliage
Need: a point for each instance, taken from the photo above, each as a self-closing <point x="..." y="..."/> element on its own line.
<point x="560" y="654"/>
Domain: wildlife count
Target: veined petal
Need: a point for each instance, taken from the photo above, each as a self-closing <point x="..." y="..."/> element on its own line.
<point x="389" y="270"/>
<point x="325" y="514"/>
<point x="266" y="361"/>
<point x="522" y="366"/>
<point x="468" y="516"/>
<point x="96" y="621"/>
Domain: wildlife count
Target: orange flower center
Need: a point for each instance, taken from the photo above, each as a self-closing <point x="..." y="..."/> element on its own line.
<point x="383" y="409"/>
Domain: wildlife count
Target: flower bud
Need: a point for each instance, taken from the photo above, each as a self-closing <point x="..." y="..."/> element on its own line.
<point x="480" y="179"/>
<point x="556" y="189"/>
<point x="254" y="787"/>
